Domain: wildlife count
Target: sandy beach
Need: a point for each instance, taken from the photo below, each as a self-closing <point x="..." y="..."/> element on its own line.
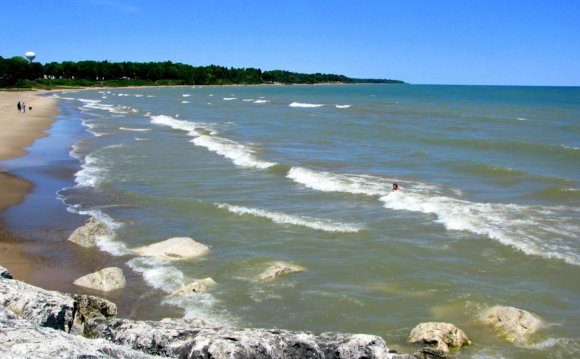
<point x="18" y="131"/>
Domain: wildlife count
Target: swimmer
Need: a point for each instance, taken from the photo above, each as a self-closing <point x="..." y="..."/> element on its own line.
<point x="395" y="186"/>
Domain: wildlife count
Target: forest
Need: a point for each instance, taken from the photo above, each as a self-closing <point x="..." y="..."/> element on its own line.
<point x="19" y="72"/>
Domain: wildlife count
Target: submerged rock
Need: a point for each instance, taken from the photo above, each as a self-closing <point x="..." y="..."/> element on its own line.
<point x="88" y="234"/>
<point x="199" y="286"/>
<point x="439" y="333"/>
<point x="174" y="249"/>
<point x="278" y="269"/>
<point x="513" y="324"/>
<point x="107" y="279"/>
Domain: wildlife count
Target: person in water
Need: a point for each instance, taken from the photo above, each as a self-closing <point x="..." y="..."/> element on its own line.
<point x="395" y="186"/>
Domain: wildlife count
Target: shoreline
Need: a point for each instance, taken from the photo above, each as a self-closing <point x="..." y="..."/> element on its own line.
<point x="17" y="132"/>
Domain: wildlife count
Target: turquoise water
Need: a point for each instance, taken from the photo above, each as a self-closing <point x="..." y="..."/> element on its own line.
<point x="487" y="212"/>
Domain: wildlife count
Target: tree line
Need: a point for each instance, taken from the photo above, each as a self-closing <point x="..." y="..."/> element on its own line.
<point x="19" y="72"/>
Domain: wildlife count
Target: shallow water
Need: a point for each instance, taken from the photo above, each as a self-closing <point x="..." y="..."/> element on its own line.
<point x="487" y="214"/>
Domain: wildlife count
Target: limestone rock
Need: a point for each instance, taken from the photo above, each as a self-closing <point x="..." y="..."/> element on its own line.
<point x="89" y="307"/>
<point x="515" y="325"/>
<point x="20" y="338"/>
<point x="174" y="249"/>
<point x="278" y="269"/>
<point x="199" y="286"/>
<point x="107" y="279"/>
<point x="4" y="273"/>
<point x="41" y="307"/>
<point x="199" y="340"/>
<point x="439" y="333"/>
<point x="88" y="234"/>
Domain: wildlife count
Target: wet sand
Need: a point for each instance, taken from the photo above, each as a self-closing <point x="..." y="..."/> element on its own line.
<point x="18" y="131"/>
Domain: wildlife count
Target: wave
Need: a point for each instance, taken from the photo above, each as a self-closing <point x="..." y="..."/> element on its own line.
<point x="158" y="273"/>
<point x="185" y="95"/>
<point x="192" y="128"/>
<point x="185" y="101"/>
<point x="304" y="221"/>
<point x="261" y="101"/>
<point x="305" y="105"/>
<point x="332" y="182"/>
<point x="548" y="232"/>
<point x="343" y="106"/>
<point x="230" y="98"/>
<point x="204" y="135"/>
<point x="241" y="155"/>
<point x="134" y="129"/>
<point x="573" y="148"/>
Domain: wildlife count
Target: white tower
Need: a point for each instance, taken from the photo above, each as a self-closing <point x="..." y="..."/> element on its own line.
<point x="30" y="55"/>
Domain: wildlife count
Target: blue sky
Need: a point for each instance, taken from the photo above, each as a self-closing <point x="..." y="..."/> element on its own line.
<point x="505" y="42"/>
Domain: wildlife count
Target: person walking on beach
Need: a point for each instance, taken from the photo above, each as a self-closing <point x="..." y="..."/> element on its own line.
<point x="23" y="107"/>
<point x="19" y="107"/>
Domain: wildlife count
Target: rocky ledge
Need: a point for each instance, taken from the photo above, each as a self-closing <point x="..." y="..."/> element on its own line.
<point x="44" y="324"/>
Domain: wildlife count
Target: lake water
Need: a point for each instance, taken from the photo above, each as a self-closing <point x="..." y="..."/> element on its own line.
<point x="487" y="212"/>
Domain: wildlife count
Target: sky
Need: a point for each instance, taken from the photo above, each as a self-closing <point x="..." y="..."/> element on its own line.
<point x="475" y="42"/>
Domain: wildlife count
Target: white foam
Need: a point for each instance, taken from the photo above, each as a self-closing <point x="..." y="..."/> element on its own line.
<point x="134" y="129"/>
<point x="332" y="182"/>
<point x="183" y="125"/>
<point x="570" y="147"/>
<point x="304" y="221"/>
<point x="521" y="119"/>
<point x="158" y="273"/>
<point x="230" y="98"/>
<point x="241" y="155"/>
<point x="343" y="106"/>
<point x="261" y="101"/>
<point x="185" y="95"/>
<point x="534" y="230"/>
<point x="185" y="101"/>
<point x="305" y="105"/>
<point x="248" y="100"/>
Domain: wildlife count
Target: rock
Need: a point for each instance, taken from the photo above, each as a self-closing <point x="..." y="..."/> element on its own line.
<point x="431" y="353"/>
<point x="30" y="335"/>
<point x="4" y="273"/>
<point x="174" y="249"/>
<point x="41" y="307"/>
<point x="89" y="307"/>
<point x="199" y="286"/>
<point x="201" y="340"/>
<point x="88" y="234"/>
<point x="107" y="279"/>
<point x="20" y="338"/>
<point x="513" y="324"/>
<point x="278" y="269"/>
<point x="441" y="334"/>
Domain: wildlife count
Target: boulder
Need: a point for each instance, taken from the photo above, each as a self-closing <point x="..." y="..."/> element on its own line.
<point x="88" y="234"/>
<point x="439" y="333"/>
<point x="174" y="249"/>
<point x="199" y="286"/>
<point x="513" y="324"/>
<point x="105" y="280"/>
<point x="20" y="338"/>
<point x="278" y="269"/>
<point x="4" y="273"/>
<point x="89" y="307"/>
<point x="198" y="339"/>
<point x="40" y="307"/>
